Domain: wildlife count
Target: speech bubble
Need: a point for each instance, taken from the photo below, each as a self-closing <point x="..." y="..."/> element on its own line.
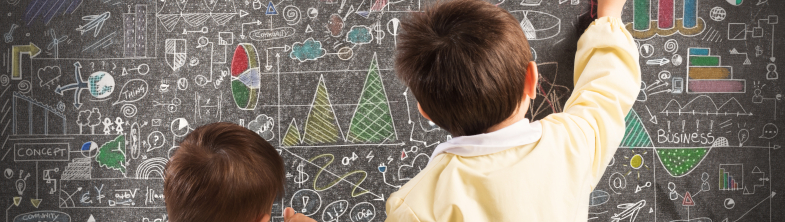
<point x="156" y="140"/>
<point x="769" y="131"/>
<point x="132" y="91"/>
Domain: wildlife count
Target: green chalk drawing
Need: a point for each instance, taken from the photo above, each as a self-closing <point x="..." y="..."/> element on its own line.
<point x="641" y="14"/>
<point x="635" y="134"/>
<point x="292" y="136"/>
<point x="112" y="154"/>
<point x="372" y="121"/>
<point x="320" y="127"/>
<point x="679" y="162"/>
<point x="241" y="93"/>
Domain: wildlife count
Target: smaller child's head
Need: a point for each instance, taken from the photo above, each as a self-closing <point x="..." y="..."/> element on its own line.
<point x="223" y="172"/>
<point x="468" y="63"/>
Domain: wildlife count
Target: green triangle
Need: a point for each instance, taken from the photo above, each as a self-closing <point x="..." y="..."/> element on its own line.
<point x="372" y="121"/>
<point x="635" y="134"/>
<point x="320" y="127"/>
<point x="292" y="137"/>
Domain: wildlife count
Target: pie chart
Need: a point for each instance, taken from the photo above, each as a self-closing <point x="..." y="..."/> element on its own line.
<point x="245" y="76"/>
<point x="538" y="25"/>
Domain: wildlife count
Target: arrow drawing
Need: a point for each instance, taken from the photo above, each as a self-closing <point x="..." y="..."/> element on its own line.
<point x="16" y="58"/>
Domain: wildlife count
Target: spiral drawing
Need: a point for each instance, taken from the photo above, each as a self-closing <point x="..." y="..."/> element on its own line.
<point x="24" y="86"/>
<point x="671" y="45"/>
<point x="129" y="110"/>
<point x="291" y="14"/>
<point x="4" y="80"/>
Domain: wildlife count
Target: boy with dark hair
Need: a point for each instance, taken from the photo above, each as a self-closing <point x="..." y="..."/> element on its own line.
<point x="468" y="64"/>
<point x="224" y="172"/>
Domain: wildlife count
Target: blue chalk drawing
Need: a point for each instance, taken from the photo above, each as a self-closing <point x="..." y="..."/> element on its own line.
<point x="359" y="35"/>
<point x="308" y="50"/>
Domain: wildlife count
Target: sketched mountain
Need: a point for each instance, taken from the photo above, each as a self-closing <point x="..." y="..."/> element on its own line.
<point x="704" y="104"/>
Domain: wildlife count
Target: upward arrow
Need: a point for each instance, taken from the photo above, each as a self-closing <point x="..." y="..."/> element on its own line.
<point x="16" y="58"/>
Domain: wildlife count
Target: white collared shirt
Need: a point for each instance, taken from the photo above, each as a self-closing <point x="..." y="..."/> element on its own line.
<point x="520" y="133"/>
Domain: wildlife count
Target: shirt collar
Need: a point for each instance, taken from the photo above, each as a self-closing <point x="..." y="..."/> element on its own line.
<point x="517" y="134"/>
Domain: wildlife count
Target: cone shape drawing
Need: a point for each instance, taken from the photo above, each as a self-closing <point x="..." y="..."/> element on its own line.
<point x="320" y="127"/>
<point x="634" y="134"/>
<point x="292" y="137"/>
<point x="372" y="121"/>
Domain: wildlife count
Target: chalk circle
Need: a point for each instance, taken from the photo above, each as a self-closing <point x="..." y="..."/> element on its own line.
<point x="636" y="162"/>
<point x="89" y="149"/>
<point x="61" y="106"/>
<point x="646" y="50"/>
<point x="729" y="203"/>
<point x="182" y="84"/>
<point x="4" y="80"/>
<point x="392" y="26"/>
<point x="771" y="67"/>
<point x="717" y="14"/>
<point x="617" y="182"/>
<point x="345" y="53"/>
<point x="334" y="210"/>
<point x="312" y="13"/>
<point x="202" y="42"/>
<point x="362" y="212"/>
<point x="671" y="186"/>
<point x="194" y="61"/>
<point x="179" y="127"/>
<point x="8" y="173"/>
<point x="676" y="60"/>
<point x="171" y="151"/>
<point x="664" y="75"/>
<point x="306" y="201"/>
<point x="613" y="160"/>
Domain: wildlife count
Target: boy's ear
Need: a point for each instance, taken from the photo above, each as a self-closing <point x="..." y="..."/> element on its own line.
<point x="265" y="218"/>
<point x="530" y="83"/>
<point x="423" y="112"/>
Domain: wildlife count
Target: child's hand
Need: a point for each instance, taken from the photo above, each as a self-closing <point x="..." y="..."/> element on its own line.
<point x="611" y="8"/>
<point x="290" y="216"/>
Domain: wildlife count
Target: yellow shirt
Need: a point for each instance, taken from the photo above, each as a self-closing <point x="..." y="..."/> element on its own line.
<point x="550" y="177"/>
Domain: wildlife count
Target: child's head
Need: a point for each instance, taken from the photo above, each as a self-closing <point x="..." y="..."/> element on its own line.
<point x="223" y="172"/>
<point x="466" y="62"/>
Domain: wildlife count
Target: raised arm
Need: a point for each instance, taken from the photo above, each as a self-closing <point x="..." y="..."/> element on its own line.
<point x="607" y="81"/>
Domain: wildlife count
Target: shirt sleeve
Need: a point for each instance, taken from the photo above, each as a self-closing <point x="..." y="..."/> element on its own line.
<point x="397" y="210"/>
<point x="607" y="81"/>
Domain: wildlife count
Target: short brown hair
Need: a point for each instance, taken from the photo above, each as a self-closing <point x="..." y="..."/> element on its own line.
<point x="465" y="61"/>
<point x="222" y="172"/>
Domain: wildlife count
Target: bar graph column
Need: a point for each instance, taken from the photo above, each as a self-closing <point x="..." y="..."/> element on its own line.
<point x="641" y="14"/>
<point x="690" y="18"/>
<point x="729" y="177"/>
<point x="705" y="74"/>
<point x="666" y="14"/>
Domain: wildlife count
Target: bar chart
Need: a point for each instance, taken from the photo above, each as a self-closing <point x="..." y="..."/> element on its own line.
<point x="705" y="74"/>
<point x="727" y="181"/>
<point x="666" y="24"/>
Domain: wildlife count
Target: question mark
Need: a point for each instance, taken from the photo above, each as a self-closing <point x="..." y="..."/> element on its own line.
<point x="92" y="65"/>
<point x="156" y="139"/>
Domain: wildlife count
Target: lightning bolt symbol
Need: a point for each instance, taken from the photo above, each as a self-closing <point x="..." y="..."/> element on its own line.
<point x="369" y="156"/>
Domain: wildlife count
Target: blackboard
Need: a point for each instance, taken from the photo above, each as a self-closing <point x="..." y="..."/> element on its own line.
<point x="96" y="95"/>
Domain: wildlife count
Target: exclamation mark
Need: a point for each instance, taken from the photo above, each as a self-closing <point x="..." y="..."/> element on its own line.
<point x="305" y="203"/>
